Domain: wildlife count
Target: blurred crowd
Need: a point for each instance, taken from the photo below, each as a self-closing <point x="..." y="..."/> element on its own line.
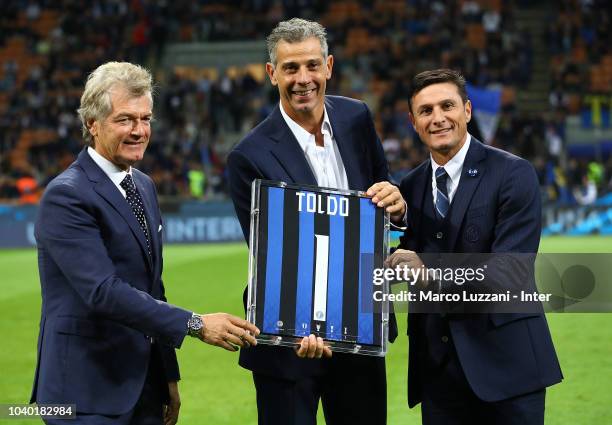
<point x="47" y="47"/>
<point x="579" y="42"/>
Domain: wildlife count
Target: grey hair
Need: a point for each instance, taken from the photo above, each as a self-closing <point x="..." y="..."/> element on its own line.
<point x="293" y="31"/>
<point x="96" y="100"/>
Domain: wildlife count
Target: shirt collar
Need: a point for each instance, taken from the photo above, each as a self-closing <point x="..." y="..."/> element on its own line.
<point x="113" y="172"/>
<point x="304" y="137"/>
<point x="454" y="166"/>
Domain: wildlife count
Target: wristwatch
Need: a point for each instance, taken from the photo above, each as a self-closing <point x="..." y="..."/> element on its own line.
<point x="195" y="325"/>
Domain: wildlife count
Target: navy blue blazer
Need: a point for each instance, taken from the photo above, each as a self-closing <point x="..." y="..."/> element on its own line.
<point x="270" y="151"/>
<point x="102" y="294"/>
<point x="496" y="209"/>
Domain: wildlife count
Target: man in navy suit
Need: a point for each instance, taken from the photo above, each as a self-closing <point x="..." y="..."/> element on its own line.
<point x="471" y="198"/>
<point x="328" y="141"/>
<point x="107" y="335"/>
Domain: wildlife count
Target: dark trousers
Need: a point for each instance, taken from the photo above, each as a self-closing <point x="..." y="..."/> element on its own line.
<point x="352" y="389"/>
<point x="147" y="411"/>
<point x="149" y="407"/>
<point x="449" y="400"/>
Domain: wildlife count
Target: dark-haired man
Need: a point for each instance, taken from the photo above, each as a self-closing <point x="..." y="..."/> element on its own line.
<point x="471" y="198"/>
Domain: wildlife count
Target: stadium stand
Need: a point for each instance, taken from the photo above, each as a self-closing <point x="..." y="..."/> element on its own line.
<point x="48" y="47"/>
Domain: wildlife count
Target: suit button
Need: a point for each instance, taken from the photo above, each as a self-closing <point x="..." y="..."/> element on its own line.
<point x="444" y="338"/>
<point x="439" y="235"/>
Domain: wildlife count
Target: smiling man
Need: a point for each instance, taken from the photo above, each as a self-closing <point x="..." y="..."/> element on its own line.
<point x="107" y="334"/>
<point x="471" y="198"/>
<point x="329" y="141"/>
<point x="440" y="113"/>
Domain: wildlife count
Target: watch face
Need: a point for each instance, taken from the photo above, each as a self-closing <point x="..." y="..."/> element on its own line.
<point x="195" y="323"/>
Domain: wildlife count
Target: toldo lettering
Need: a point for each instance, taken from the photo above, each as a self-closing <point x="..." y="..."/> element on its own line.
<point x="320" y="204"/>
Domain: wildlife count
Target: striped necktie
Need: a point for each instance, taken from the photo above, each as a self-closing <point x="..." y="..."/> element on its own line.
<point x="442" y="202"/>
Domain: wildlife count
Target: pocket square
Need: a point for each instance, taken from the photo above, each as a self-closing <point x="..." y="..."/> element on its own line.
<point x="160" y="227"/>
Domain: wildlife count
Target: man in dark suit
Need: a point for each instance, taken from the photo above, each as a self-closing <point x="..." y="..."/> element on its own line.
<point x="471" y="198"/>
<point x="329" y="141"/>
<point x="107" y="334"/>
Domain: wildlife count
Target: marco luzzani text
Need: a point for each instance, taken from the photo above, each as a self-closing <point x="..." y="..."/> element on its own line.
<point x="459" y="276"/>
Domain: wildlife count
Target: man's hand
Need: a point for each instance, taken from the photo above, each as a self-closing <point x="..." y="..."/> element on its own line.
<point x="227" y="331"/>
<point x="312" y="347"/>
<point x="409" y="259"/>
<point x="384" y="194"/>
<point x="171" y="411"/>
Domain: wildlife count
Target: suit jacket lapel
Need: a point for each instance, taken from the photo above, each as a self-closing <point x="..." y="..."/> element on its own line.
<point x="421" y="184"/>
<point x="471" y="175"/>
<point x="416" y="208"/>
<point x="149" y="210"/>
<point x="415" y="201"/>
<point x="342" y="136"/>
<point x="288" y="151"/>
<point x="105" y="188"/>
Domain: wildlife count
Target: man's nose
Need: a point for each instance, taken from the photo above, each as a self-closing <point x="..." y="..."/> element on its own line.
<point x="438" y="116"/>
<point x="303" y="76"/>
<point x="138" y="127"/>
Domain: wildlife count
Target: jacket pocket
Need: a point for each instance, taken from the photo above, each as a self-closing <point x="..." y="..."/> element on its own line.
<point x="476" y="212"/>
<point x="500" y="319"/>
<point x="82" y="327"/>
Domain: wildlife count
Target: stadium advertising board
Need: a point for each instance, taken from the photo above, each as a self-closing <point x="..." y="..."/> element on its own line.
<point x="191" y="222"/>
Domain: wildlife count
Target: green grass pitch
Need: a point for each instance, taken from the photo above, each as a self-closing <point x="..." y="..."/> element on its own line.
<point x="214" y="390"/>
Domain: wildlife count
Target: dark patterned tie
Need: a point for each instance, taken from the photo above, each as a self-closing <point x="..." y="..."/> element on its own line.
<point x="135" y="201"/>
<point x="442" y="193"/>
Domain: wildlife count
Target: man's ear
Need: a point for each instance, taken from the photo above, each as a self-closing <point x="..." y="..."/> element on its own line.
<point x="271" y="71"/>
<point x="329" y="64"/>
<point x="468" y="110"/>
<point x="93" y="127"/>
<point x="412" y="121"/>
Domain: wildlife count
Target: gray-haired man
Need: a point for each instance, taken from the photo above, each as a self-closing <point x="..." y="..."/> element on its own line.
<point x="329" y="141"/>
<point x="107" y="334"/>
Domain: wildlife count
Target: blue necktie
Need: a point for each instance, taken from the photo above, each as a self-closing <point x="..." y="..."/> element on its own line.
<point x="442" y="203"/>
<point x="133" y="198"/>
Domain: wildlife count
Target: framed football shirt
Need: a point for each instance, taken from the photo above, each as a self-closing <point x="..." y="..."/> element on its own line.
<point x="313" y="254"/>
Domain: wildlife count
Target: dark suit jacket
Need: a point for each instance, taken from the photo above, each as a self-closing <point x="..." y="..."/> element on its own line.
<point x="102" y="294"/>
<point x="270" y="151"/>
<point x="495" y="211"/>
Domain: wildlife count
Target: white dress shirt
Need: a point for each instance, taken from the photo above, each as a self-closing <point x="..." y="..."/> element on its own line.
<point x="113" y="172"/>
<point x="453" y="169"/>
<point x="325" y="161"/>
